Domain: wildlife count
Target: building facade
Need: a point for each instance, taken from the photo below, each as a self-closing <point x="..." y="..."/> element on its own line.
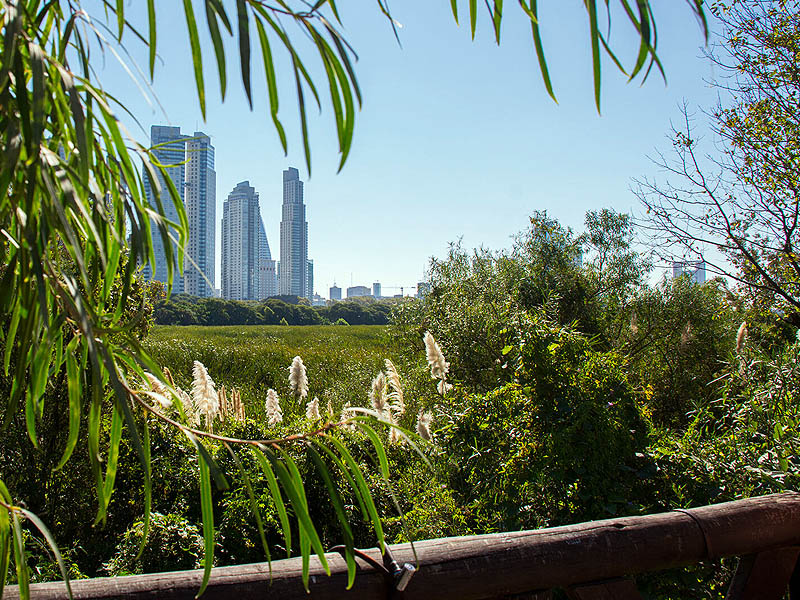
<point x="201" y="211"/>
<point x="357" y="291"/>
<point x="294" y="265"/>
<point x="169" y="149"/>
<point x="335" y="292"/>
<point x="248" y="271"/>
<point x="696" y="270"/>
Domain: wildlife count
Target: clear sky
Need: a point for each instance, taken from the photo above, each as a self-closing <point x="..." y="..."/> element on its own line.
<point x="456" y="139"/>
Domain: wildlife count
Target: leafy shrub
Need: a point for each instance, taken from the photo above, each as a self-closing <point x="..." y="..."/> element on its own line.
<point x="173" y="544"/>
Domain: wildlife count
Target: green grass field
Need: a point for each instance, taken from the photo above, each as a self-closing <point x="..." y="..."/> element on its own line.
<point x="341" y="361"/>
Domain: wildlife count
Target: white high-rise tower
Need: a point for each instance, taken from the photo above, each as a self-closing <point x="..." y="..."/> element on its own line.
<point x="248" y="271"/>
<point x="201" y="200"/>
<point x="294" y="267"/>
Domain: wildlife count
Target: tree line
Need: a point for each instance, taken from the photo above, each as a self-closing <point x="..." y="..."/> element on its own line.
<point x="183" y="309"/>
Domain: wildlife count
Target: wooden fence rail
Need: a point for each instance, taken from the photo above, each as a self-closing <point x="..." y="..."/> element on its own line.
<point x="591" y="561"/>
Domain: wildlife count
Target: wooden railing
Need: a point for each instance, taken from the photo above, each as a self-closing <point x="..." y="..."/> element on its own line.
<point x="595" y="560"/>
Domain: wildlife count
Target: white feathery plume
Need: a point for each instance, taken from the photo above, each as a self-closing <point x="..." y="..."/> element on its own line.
<point x="312" y="410"/>
<point x="192" y="414"/>
<point x="160" y="393"/>
<point x="439" y="366"/>
<point x="394" y="434"/>
<point x="346" y="414"/>
<point x="273" y="408"/>
<point x="377" y="394"/>
<point x="330" y="408"/>
<point x="204" y="394"/>
<point x="424" y="424"/>
<point x="741" y="337"/>
<point x="297" y="378"/>
<point x="396" y="394"/>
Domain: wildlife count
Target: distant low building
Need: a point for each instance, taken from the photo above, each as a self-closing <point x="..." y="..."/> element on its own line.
<point x="696" y="270"/>
<point x="357" y="291"/>
<point x="318" y="300"/>
<point x="376" y="290"/>
<point x="423" y="289"/>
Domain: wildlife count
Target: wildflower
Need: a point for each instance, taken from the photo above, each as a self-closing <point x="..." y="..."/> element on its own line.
<point x="741" y="337"/>
<point x="312" y="410"/>
<point x="439" y="366"/>
<point x="297" y="378"/>
<point x="378" y="393"/>
<point x="395" y="396"/>
<point x="423" y="425"/>
<point x="273" y="408"/>
<point x="204" y="396"/>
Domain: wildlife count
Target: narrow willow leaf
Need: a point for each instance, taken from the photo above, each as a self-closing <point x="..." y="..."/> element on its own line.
<point x="53" y="546"/>
<point x="207" y="510"/>
<point x="74" y="390"/>
<point x="216" y="473"/>
<point x="497" y="18"/>
<point x="338" y="505"/>
<point x="20" y="558"/>
<point x="5" y="547"/>
<point x="473" y="16"/>
<point x="594" y="34"/>
<point x="362" y="486"/>
<point x="292" y="484"/>
<point x="301" y="104"/>
<point x="197" y="56"/>
<point x="253" y="505"/>
<point x="277" y="499"/>
<point x="148" y="489"/>
<point x="272" y="88"/>
<point x="151" y="42"/>
<point x="346" y="473"/>
<point x="537" y="43"/>
<point x="454" y="8"/>
<point x="244" y="47"/>
<point x="219" y="50"/>
<point x="111" y="464"/>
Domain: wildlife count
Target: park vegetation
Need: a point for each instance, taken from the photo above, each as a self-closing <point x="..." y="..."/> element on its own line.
<point x="547" y="383"/>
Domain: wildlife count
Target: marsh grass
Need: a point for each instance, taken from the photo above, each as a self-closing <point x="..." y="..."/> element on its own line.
<point x="341" y="361"/>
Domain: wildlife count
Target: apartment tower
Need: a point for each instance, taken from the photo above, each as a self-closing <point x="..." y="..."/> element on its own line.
<point x="295" y="272"/>
<point x="248" y="271"/>
<point x="201" y="200"/>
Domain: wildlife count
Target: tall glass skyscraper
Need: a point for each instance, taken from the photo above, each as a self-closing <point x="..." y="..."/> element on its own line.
<point x="189" y="164"/>
<point x="294" y="267"/>
<point x="248" y="271"/>
<point x="170" y="151"/>
<point x="201" y="210"/>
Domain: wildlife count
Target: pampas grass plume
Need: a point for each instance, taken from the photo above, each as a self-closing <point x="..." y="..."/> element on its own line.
<point x="396" y="394"/>
<point x="424" y="424"/>
<point x="741" y="337"/>
<point x="273" y="408"/>
<point x="204" y="395"/>
<point x="378" y="393"/>
<point x="439" y="366"/>
<point x="298" y="379"/>
<point x="312" y="410"/>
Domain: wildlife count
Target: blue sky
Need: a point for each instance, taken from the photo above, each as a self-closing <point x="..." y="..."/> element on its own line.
<point x="456" y="139"/>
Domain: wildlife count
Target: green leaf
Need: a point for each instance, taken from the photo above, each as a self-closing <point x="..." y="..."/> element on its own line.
<point x="537" y="43"/>
<point x="244" y="47"/>
<point x="362" y="486"/>
<point x="20" y="558"/>
<point x="148" y="490"/>
<point x="111" y="465"/>
<point x="197" y="57"/>
<point x="277" y="499"/>
<point x="338" y="505"/>
<point x="53" y="546"/>
<point x="216" y="39"/>
<point x="74" y="390"/>
<point x="151" y="42"/>
<point x="253" y="504"/>
<point x="473" y="16"/>
<point x="272" y="88"/>
<point x="207" y="511"/>
<point x="594" y="33"/>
